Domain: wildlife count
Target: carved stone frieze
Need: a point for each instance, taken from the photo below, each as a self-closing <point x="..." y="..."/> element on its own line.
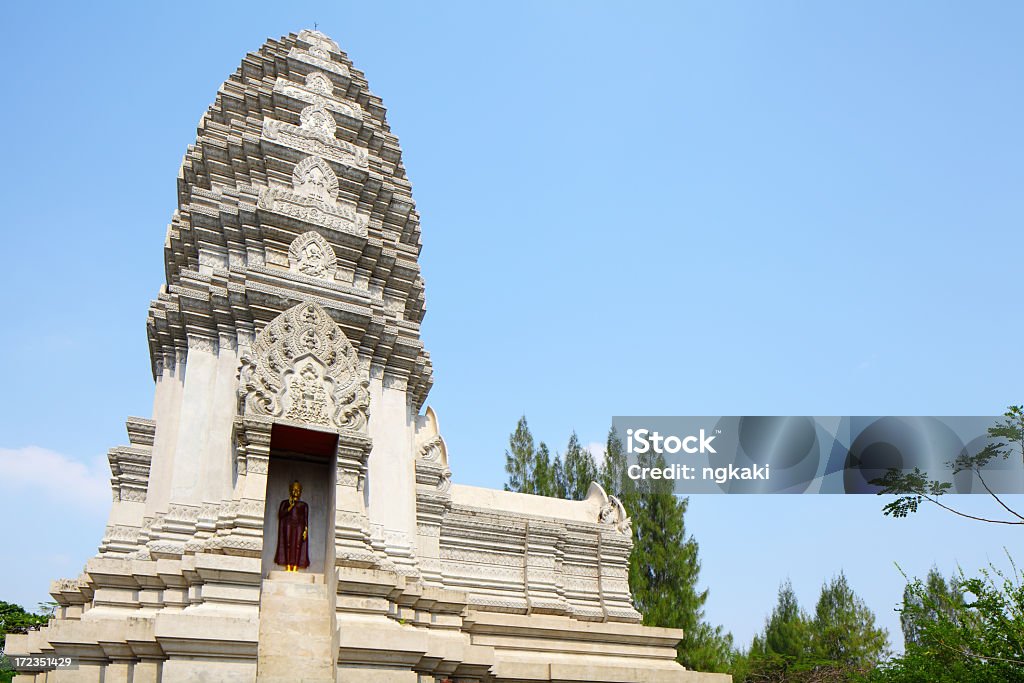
<point x="316" y="141"/>
<point x="310" y="209"/>
<point x="318" y="57"/>
<point x="318" y="90"/>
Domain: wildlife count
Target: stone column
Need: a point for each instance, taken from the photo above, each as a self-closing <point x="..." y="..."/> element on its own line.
<point x="351" y="524"/>
<point x="166" y="411"/>
<point x="240" y="522"/>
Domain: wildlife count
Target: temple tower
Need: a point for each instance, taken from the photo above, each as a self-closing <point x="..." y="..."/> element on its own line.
<point x="286" y="347"/>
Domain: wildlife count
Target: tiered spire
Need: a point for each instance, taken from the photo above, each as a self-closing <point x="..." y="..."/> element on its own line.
<point x="295" y="191"/>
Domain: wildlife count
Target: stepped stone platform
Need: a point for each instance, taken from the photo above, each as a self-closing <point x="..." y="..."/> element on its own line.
<point x="285" y="346"/>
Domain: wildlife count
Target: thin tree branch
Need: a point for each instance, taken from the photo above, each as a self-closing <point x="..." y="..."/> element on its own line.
<point x="998" y="499"/>
<point x="964" y="514"/>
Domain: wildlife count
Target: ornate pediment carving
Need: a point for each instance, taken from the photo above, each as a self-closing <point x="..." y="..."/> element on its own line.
<point x="313" y="198"/>
<point x="301" y="367"/>
<point x="316" y="135"/>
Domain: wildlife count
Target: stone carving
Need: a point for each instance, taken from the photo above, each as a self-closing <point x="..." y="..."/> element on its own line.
<point x="313" y="59"/>
<point x="309" y="400"/>
<point x="313" y="177"/>
<point x="611" y="513"/>
<point x="340" y="217"/>
<point x="317" y="139"/>
<point x="316" y="91"/>
<point x="310" y="254"/>
<point x="302" y="367"/>
<point x="319" y="83"/>
<point x="432" y="448"/>
<point x="313" y="198"/>
<point x="317" y="120"/>
<point x="318" y="38"/>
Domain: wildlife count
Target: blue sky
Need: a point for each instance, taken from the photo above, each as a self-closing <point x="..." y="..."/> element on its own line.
<point x="678" y="208"/>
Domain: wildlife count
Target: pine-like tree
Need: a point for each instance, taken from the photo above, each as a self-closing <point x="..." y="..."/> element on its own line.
<point x="782" y="651"/>
<point x="543" y="483"/>
<point x="786" y="630"/>
<point x="843" y="629"/>
<point x="558" y="474"/>
<point x="580" y="469"/>
<point x="612" y="473"/>
<point x="519" y="458"/>
<point x="925" y="605"/>
<point x="664" y="569"/>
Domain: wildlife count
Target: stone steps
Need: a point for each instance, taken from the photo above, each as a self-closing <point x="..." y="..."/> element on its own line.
<point x="296" y="637"/>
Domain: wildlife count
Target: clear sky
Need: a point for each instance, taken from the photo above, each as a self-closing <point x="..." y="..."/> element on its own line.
<point x="628" y="208"/>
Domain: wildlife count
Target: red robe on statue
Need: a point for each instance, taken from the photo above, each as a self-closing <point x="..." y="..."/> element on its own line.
<point x="292" y="548"/>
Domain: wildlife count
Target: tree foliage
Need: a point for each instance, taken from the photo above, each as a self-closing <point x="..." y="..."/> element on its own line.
<point x="612" y="473"/>
<point x="971" y="632"/>
<point x="916" y="487"/>
<point x="580" y="469"/>
<point x="519" y="459"/>
<point x="923" y="603"/>
<point x="838" y="642"/>
<point x="16" y="619"/>
<point x="843" y="629"/>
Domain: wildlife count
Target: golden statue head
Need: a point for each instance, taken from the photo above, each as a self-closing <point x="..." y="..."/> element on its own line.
<point x="295" y="489"/>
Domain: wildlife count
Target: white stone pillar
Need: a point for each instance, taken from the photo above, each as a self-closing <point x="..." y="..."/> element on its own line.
<point x="194" y="421"/>
<point x="166" y="410"/>
<point x="216" y="450"/>
<point x="392" y="471"/>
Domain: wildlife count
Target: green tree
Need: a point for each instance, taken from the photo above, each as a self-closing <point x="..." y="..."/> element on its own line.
<point x="664" y="570"/>
<point x="519" y="458"/>
<point x="558" y="475"/>
<point x="786" y="630"/>
<point x="975" y="637"/>
<point x="16" y="619"/>
<point x="543" y="480"/>
<point x="612" y="473"/>
<point x="843" y="629"/>
<point x="580" y="469"/>
<point x="782" y="651"/>
<point x="922" y="607"/>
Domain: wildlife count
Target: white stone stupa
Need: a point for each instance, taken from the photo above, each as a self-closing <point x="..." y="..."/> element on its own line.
<point x="286" y="347"/>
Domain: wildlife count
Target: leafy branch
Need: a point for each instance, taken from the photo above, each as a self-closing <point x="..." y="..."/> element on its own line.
<point x="914" y="488"/>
